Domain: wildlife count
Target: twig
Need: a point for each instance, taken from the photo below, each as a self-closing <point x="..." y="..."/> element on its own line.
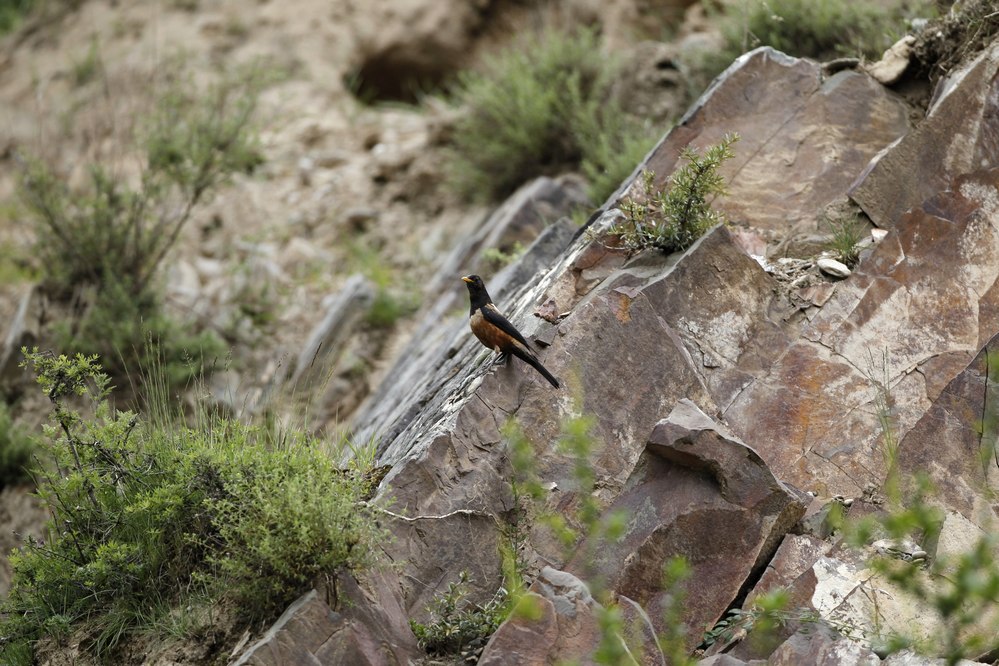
<point x="413" y="519"/>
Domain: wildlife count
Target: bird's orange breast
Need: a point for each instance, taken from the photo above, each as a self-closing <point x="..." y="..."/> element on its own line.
<point x="489" y="335"/>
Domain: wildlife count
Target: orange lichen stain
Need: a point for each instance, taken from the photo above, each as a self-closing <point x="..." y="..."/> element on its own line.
<point x="623" y="313"/>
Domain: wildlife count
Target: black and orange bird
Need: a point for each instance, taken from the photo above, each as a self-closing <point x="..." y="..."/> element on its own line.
<point x="496" y="332"/>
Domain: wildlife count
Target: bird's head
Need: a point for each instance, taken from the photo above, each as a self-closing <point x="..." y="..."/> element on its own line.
<point x="477" y="290"/>
<point x="473" y="282"/>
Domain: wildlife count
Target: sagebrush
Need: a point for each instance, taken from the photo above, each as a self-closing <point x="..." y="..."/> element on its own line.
<point x="154" y="514"/>
<point x="545" y="105"/>
<point x="99" y="246"/>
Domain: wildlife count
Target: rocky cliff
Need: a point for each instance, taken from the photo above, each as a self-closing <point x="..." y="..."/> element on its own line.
<point x="726" y="394"/>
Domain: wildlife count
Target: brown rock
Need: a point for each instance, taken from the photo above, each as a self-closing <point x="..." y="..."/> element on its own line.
<point x="822" y="647"/>
<point x="370" y="629"/>
<point x="956" y="137"/>
<point x="804" y="137"/>
<point x="567" y="628"/>
<point x="923" y="299"/>
<point x="703" y="495"/>
<point x="945" y="445"/>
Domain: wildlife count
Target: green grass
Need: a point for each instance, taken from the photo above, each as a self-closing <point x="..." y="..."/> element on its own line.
<point x="544" y="106"/>
<point x="804" y="28"/>
<point x="155" y="514"/>
<point x="823" y="29"/>
<point x="844" y="236"/>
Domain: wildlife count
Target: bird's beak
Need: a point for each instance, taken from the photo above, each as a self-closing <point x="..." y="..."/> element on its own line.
<point x="467" y="279"/>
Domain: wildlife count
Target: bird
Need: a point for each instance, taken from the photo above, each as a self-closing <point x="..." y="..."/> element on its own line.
<point x="496" y="332"/>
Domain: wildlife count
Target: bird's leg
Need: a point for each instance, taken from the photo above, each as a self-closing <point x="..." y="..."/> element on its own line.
<point x="501" y="359"/>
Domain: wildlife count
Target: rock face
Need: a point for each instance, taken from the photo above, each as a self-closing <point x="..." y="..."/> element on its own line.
<point x="366" y="630"/>
<point x="804" y="137"/>
<point x="957" y="136"/>
<point x="565" y="627"/>
<point x="698" y="492"/>
<point x="713" y="394"/>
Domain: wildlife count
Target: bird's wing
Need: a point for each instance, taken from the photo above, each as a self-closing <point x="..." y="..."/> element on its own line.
<point x="494" y="317"/>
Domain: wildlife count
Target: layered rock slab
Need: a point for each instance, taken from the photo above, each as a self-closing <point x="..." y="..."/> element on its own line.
<point x="804" y="136"/>
<point x="909" y="319"/>
<point x="960" y="134"/>
<point x="700" y="494"/>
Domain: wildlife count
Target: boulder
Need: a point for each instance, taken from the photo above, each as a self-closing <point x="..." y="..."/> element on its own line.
<point x="804" y="137"/>
<point x="698" y="493"/>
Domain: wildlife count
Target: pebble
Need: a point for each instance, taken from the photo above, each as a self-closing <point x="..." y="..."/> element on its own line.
<point x="833" y="267"/>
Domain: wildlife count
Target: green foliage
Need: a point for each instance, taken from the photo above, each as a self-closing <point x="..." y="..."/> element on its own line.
<point x="821" y="30"/>
<point x="194" y="142"/>
<point x="131" y="333"/>
<point x="111" y="236"/>
<point x="879" y="374"/>
<point x="388" y="308"/>
<point x="987" y="426"/>
<point x="497" y="258"/>
<point x="673" y="641"/>
<point x="673" y="217"/>
<point x="458" y="626"/>
<point x="12" y="12"/>
<point x="844" y="236"/>
<point x="16" y="449"/>
<point x="543" y="106"/>
<point x="390" y="303"/>
<point x="150" y="514"/>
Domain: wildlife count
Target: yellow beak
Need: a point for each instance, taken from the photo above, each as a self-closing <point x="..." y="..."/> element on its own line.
<point x="466" y="279"/>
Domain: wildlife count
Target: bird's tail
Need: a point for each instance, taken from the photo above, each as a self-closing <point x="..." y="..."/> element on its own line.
<point x="532" y="360"/>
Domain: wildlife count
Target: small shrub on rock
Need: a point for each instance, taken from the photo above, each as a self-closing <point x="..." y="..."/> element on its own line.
<point x="457" y="626"/>
<point x="671" y="218"/>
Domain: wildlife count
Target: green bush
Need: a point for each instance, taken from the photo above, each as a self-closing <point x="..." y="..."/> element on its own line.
<point x="110" y="236"/>
<point x="822" y="30"/>
<point x="673" y="217"/>
<point x="12" y="12"/>
<point x="150" y="514"/>
<point x="458" y="625"/>
<point x="16" y="449"/>
<point x="194" y="142"/>
<point x="131" y="332"/>
<point x="544" y="106"/>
